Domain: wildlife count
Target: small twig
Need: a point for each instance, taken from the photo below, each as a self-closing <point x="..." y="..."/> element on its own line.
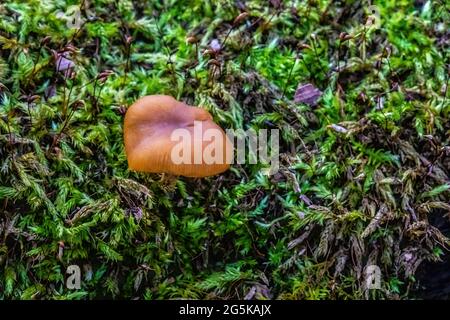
<point x="364" y="44"/>
<point x="9" y="130"/>
<point x="226" y="37"/>
<point x="169" y="61"/>
<point x="445" y="92"/>
<point x="289" y="77"/>
<point x="237" y="21"/>
<point x="29" y="114"/>
<point x="317" y="55"/>
<point x="66" y="72"/>
<point x="98" y="96"/>
<point x="128" y="40"/>
<point x="95" y="88"/>
<point x="70" y="93"/>
<point x="197" y="60"/>
<point x="66" y="122"/>
<point x="81" y="27"/>
<point x="35" y="63"/>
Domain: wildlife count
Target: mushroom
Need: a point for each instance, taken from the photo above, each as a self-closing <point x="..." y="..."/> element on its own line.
<point x="163" y="135"/>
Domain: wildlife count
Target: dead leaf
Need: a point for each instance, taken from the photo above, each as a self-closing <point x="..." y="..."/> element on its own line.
<point x="308" y="94"/>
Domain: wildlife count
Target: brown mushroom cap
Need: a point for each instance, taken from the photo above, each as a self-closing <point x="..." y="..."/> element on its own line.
<point x="149" y="124"/>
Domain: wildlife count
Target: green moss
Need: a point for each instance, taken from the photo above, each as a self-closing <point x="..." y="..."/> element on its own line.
<point x="360" y="173"/>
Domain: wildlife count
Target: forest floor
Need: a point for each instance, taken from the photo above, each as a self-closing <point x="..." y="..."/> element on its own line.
<point x="359" y="93"/>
